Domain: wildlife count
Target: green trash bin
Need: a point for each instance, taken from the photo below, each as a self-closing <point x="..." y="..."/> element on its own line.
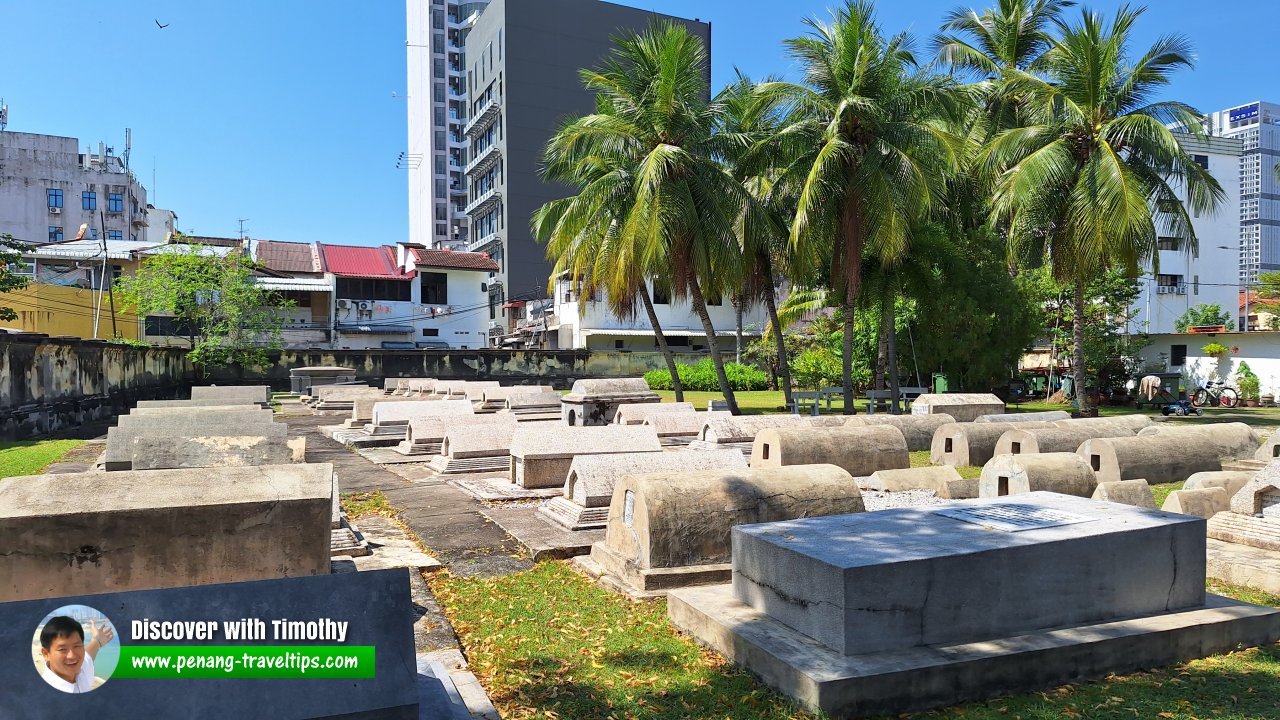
<point x="940" y="384"/>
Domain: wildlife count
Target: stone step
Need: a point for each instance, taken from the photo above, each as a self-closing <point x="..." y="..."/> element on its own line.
<point x="1262" y="533"/>
<point x="407" y="448"/>
<point x="343" y="541"/>
<point x="446" y="465"/>
<point x="571" y="516"/>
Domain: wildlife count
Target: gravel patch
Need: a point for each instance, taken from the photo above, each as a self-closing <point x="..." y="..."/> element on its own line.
<point x="878" y="500"/>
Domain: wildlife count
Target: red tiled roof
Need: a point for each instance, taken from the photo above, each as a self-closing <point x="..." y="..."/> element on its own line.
<point x="450" y="259"/>
<point x="287" y="257"/>
<point x="361" y="261"/>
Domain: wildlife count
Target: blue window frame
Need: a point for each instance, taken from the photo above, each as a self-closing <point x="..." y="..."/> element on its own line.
<point x="115" y="202"/>
<point x="54" y="197"/>
<point x="115" y="235"/>
<point x="55" y="233"/>
<point x="89" y="200"/>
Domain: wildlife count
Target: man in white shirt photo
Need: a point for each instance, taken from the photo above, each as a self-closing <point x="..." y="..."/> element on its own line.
<point x="68" y="661"/>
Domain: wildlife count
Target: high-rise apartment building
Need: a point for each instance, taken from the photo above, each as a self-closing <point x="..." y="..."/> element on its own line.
<point x="437" y="107"/>
<point x="1257" y="125"/>
<point x="519" y="78"/>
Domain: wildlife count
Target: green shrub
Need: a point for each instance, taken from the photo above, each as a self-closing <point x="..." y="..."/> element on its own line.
<point x="817" y="368"/>
<point x="701" y="376"/>
<point x="1214" y="349"/>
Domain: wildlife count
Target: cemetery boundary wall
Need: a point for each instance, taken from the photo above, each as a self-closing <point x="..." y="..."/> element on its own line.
<point x="54" y="385"/>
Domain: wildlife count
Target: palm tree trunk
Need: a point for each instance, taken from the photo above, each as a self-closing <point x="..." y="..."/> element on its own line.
<point x="847" y="262"/>
<point x="737" y="349"/>
<point x="700" y="307"/>
<point x="846" y="356"/>
<point x="882" y="347"/>
<point x="891" y="350"/>
<point x="662" y="342"/>
<point x="1077" y="352"/>
<point x="780" y="344"/>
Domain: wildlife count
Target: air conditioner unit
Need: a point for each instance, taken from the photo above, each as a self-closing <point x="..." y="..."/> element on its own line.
<point x="344" y="304"/>
<point x="365" y="306"/>
<point x="55" y="211"/>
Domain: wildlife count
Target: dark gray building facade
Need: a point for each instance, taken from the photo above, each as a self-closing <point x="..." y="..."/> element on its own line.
<point x="522" y="63"/>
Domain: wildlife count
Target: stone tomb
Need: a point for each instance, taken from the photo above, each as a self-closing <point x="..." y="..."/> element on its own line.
<point x="739" y="432"/>
<point x="476" y="448"/>
<point x="589" y="487"/>
<point x="595" y="402"/>
<point x="637" y="413"/>
<point x="534" y="407"/>
<point x="377" y="605"/>
<point x="904" y="610"/>
<point x="1244" y="541"/>
<point x="171" y="453"/>
<point x="362" y="409"/>
<point x="425" y="435"/>
<point x="859" y="451"/>
<point x="1066" y="473"/>
<point x="300" y="379"/>
<point x="1126" y="492"/>
<point x="1229" y="440"/>
<point x="1233" y="481"/>
<point x="1163" y="458"/>
<point x="917" y="429"/>
<point x="541" y="454"/>
<point x="1134" y="422"/>
<point x="936" y="478"/>
<point x="134" y="530"/>
<point x="1202" y="503"/>
<point x="1046" y="416"/>
<point x="495" y="399"/>
<point x="1029" y="441"/>
<point x="398" y="414"/>
<point x="342" y="397"/>
<point x="964" y="407"/>
<point x="173" y="404"/>
<point x="237" y="393"/>
<point x="672" y="529"/>
<point x="120" y="446"/>
<point x="680" y="429"/>
<point x="968" y="443"/>
<point x="457" y="389"/>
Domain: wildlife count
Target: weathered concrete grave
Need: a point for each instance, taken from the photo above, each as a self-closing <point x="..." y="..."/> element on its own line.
<point x="1064" y="473"/>
<point x="216" y="414"/>
<point x="135" y="530"/>
<point x="119" y="451"/>
<point x="362" y="408"/>
<point x="859" y="451"/>
<point x="680" y="429"/>
<point x="968" y="443"/>
<point x="934" y="478"/>
<point x="495" y="399"/>
<point x="594" y="402"/>
<point x="541" y="454"/>
<point x="333" y="398"/>
<point x="904" y="610"/>
<point x="1046" y="416"/>
<point x="1203" y="503"/>
<point x="1270" y="449"/>
<point x="1157" y="459"/>
<point x="534" y="407"/>
<point x="476" y="448"/>
<point x="589" y="487"/>
<point x="672" y="529"/>
<point x="739" y="432"/>
<point x="1132" y="421"/>
<point x="213" y="402"/>
<point x="401" y="386"/>
<point x="1029" y="441"/>
<point x="237" y="393"/>
<point x="1244" y="542"/>
<point x="1233" y="481"/>
<point x="1126" y="492"/>
<point x="300" y="379"/>
<point x="376" y="607"/>
<point x="390" y="414"/>
<point x="964" y="407"/>
<point x="457" y="389"/>
<point x="171" y="453"/>
<point x="917" y="429"/>
<point x="637" y="413"/>
<point x="425" y="435"/>
<point x="1229" y="440"/>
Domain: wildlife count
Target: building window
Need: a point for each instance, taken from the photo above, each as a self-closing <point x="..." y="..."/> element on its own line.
<point x="440" y="191"/>
<point x="617" y="344"/>
<point x="116" y="272"/>
<point x="54" y="197"/>
<point x="55" y="233"/>
<point x="89" y="200"/>
<point x="1169" y="243"/>
<point x="661" y="296"/>
<point x="115" y="235"/>
<point x="93" y="233"/>
<point x="682" y="341"/>
<point x="430" y="332"/>
<point x="115" y="202"/>
<point x="1201" y="160"/>
<point x="163" y="325"/>
<point x="435" y="289"/>
<point x="1177" y="355"/>
<point x="373" y="289"/>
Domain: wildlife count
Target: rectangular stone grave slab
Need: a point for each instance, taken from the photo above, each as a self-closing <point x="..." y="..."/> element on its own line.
<point x="168" y="453"/>
<point x="119" y="452"/>
<point x="595" y="402"/>
<point x="247" y="393"/>
<point x="377" y="606"/>
<point x="475" y="448"/>
<point x="213" y="402"/>
<point x="362" y="408"/>
<point x="910" y="577"/>
<point x="400" y="413"/>
<point x="964" y="407"/>
<point x="541" y="456"/>
<point x="205" y="410"/>
<point x="135" y="530"/>
<point x="682" y="424"/>
<point x="426" y="434"/>
<point x="637" y="413"/>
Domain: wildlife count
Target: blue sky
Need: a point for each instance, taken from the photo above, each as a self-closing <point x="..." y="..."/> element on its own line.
<point x="291" y="113"/>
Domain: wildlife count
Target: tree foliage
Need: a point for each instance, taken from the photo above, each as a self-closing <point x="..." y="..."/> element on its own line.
<point x="226" y="317"/>
<point x="10" y="253"/>
<point x="1204" y="314"/>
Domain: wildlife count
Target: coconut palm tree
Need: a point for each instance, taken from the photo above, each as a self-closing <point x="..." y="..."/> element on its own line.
<point x="866" y="145"/>
<point x="679" y="209"/>
<point x="1012" y="35"/>
<point x="1092" y="176"/>
<point x="581" y="235"/>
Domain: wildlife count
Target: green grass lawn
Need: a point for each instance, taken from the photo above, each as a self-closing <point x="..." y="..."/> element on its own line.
<point x="30" y="457"/>
<point x="920" y="458"/>
<point x="549" y="643"/>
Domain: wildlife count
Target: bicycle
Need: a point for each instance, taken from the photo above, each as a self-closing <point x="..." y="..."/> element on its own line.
<point x="1217" y="394"/>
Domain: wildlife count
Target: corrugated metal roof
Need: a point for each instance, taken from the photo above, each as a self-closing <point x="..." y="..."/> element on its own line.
<point x="84" y="249"/>
<point x="376" y="329"/>
<point x="302" y="284"/>
<point x="669" y="333"/>
<point x="456" y="260"/>
<point x="361" y="261"/>
<point x="287" y="257"/>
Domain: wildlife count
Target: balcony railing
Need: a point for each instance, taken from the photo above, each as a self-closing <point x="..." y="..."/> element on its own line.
<point x="483" y="242"/>
<point x="482" y="116"/>
<point x="483" y="161"/>
<point x="484" y="201"/>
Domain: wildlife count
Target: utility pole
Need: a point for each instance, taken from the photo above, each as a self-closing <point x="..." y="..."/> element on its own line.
<point x="242" y="221"/>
